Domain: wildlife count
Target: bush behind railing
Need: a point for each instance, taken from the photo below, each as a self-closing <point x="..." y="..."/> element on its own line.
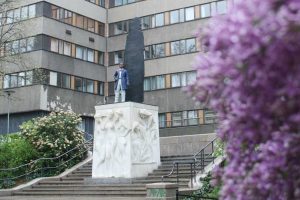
<point x="54" y="139"/>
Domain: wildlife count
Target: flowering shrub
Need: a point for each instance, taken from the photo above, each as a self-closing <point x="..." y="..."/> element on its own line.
<point x="250" y="76"/>
<point x="55" y="134"/>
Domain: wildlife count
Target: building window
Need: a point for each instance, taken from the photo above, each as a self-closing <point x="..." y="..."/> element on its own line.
<point x="148" y="52"/>
<point x="147" y="84"/>
<point x="175" y="80"/>
<point x="101" y="88"/>
<point x="178" y="47"/>
<point x="67" y="48"/>
<point x="118" y="57"/>
<point x="21" y="79"/>
<point x="189" y="14"/>
<point x="17" y="79"/>
<point x="162" y="120"/>
<point x="191" y="77"/>
<point x="23" y="45"/>
<point x="119" y="28"/>
<point x="153" y="83"/>
<point x="192" y="117"/>
<point x="79" y="52"/>
<point x="146" y="22"/>
<point x="90" y="55"/>
<point x="181" y="15"/>
<point x="159" y="51"/>
<point x="24" y="13"/>
<point x="53" y="78"/>
<point x="79" y="21"/>
<point x="205" y="10"/>
<point x="78" y="84"/>
<point x="159" y="20"/>
<point x="176" y="119"/>
<point x="15" y="47"/>
<point x="66" y="81"/>
<point x="10" y="17"/>
<point x="221" y="7"/>
<point x="101" y="58"/>
<point x="17" y="15"/>
<point x="191" y="45"/>
<point x="160" y="80"/>
<point x="30" y="43"/>
<point x="90" y="86"/>
<point x="174" y="17"/>
<point x="209" y="117"/>
<point x="54" y="45"/>
<point x="29" y="78"/>
<point x="68" y="17"/>
<point x="32" y="11"/>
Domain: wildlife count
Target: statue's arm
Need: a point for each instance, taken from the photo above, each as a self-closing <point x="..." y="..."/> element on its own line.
<point x="116" y="75"/>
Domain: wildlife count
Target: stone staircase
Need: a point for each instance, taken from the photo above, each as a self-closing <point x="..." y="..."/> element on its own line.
<point x="73" y="184"/>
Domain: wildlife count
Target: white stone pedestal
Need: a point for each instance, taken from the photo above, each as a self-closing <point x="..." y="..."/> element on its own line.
<point x="126" y="140"/>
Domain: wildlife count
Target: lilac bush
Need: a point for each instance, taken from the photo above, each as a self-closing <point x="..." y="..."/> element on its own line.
<point x="250" y="75"/>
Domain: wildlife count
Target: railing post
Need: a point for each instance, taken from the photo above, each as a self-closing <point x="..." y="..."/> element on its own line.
<point x="177" y="173"/>
<point x="202" y="160"/>
<point x="192" y="185"/>
<point x="195" y="170"/>
<point x="212" y="151"/>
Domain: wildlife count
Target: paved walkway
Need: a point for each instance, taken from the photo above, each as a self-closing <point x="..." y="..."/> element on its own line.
<point x="69" y="198"/>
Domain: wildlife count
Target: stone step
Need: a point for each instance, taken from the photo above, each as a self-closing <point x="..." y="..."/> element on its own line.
<point x="91" y="186"/>
<point x="61" y="182"/>
<point x="128" y="188"/>
<point x="72" y="179"/>
<point x="76" y="193"/>
<point x="80" y="175"/>
<point x="157" y="180"/>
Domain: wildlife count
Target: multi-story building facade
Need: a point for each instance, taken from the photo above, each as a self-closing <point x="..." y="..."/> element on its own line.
<point x="76" y="47"/>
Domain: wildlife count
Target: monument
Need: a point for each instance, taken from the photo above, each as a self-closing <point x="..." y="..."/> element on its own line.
<point x="134" y="61"/>
<point x="126" y="136"/>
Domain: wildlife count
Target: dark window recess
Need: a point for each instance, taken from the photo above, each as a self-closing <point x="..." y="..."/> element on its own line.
<point x="111" y="89"/>
<point x="91" y="39"/>
<point x="68" y="32"/>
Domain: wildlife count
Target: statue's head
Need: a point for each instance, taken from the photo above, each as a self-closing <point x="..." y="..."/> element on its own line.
<point x="121" y="65"/>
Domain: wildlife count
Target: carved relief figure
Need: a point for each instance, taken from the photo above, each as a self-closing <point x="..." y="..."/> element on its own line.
<point x="111" y="143"/>
<point x="144" y="135"/>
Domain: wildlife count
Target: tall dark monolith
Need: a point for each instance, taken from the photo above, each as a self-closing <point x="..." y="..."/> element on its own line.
<point x="134" y="61"/>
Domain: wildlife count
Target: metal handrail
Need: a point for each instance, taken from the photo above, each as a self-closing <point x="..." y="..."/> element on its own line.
<point x="203" y="156"/>
<point x="168" y="175"/>
<point x="205" y="147"/>
<point x="50" y="159"/>
<point x="193" y="163"/>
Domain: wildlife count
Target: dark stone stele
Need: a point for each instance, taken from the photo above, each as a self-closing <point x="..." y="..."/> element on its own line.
<point x="134" y="62"/>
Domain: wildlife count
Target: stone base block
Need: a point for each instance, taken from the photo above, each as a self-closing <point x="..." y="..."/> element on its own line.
<point x="126" y="140"/>
<point x="99" y="181"/>
<point x="161" y="191"/>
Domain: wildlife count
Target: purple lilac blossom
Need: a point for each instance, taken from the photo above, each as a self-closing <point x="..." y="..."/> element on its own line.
<point x="250" y="75"/>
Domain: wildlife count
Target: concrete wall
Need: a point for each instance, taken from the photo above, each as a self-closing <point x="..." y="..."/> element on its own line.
<point x="188" y="130"/>
<point x="73" y="66"/>
<point x="170" y="100"/>
<point x="81" y="103"/>
<point x="184" y="145"/>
